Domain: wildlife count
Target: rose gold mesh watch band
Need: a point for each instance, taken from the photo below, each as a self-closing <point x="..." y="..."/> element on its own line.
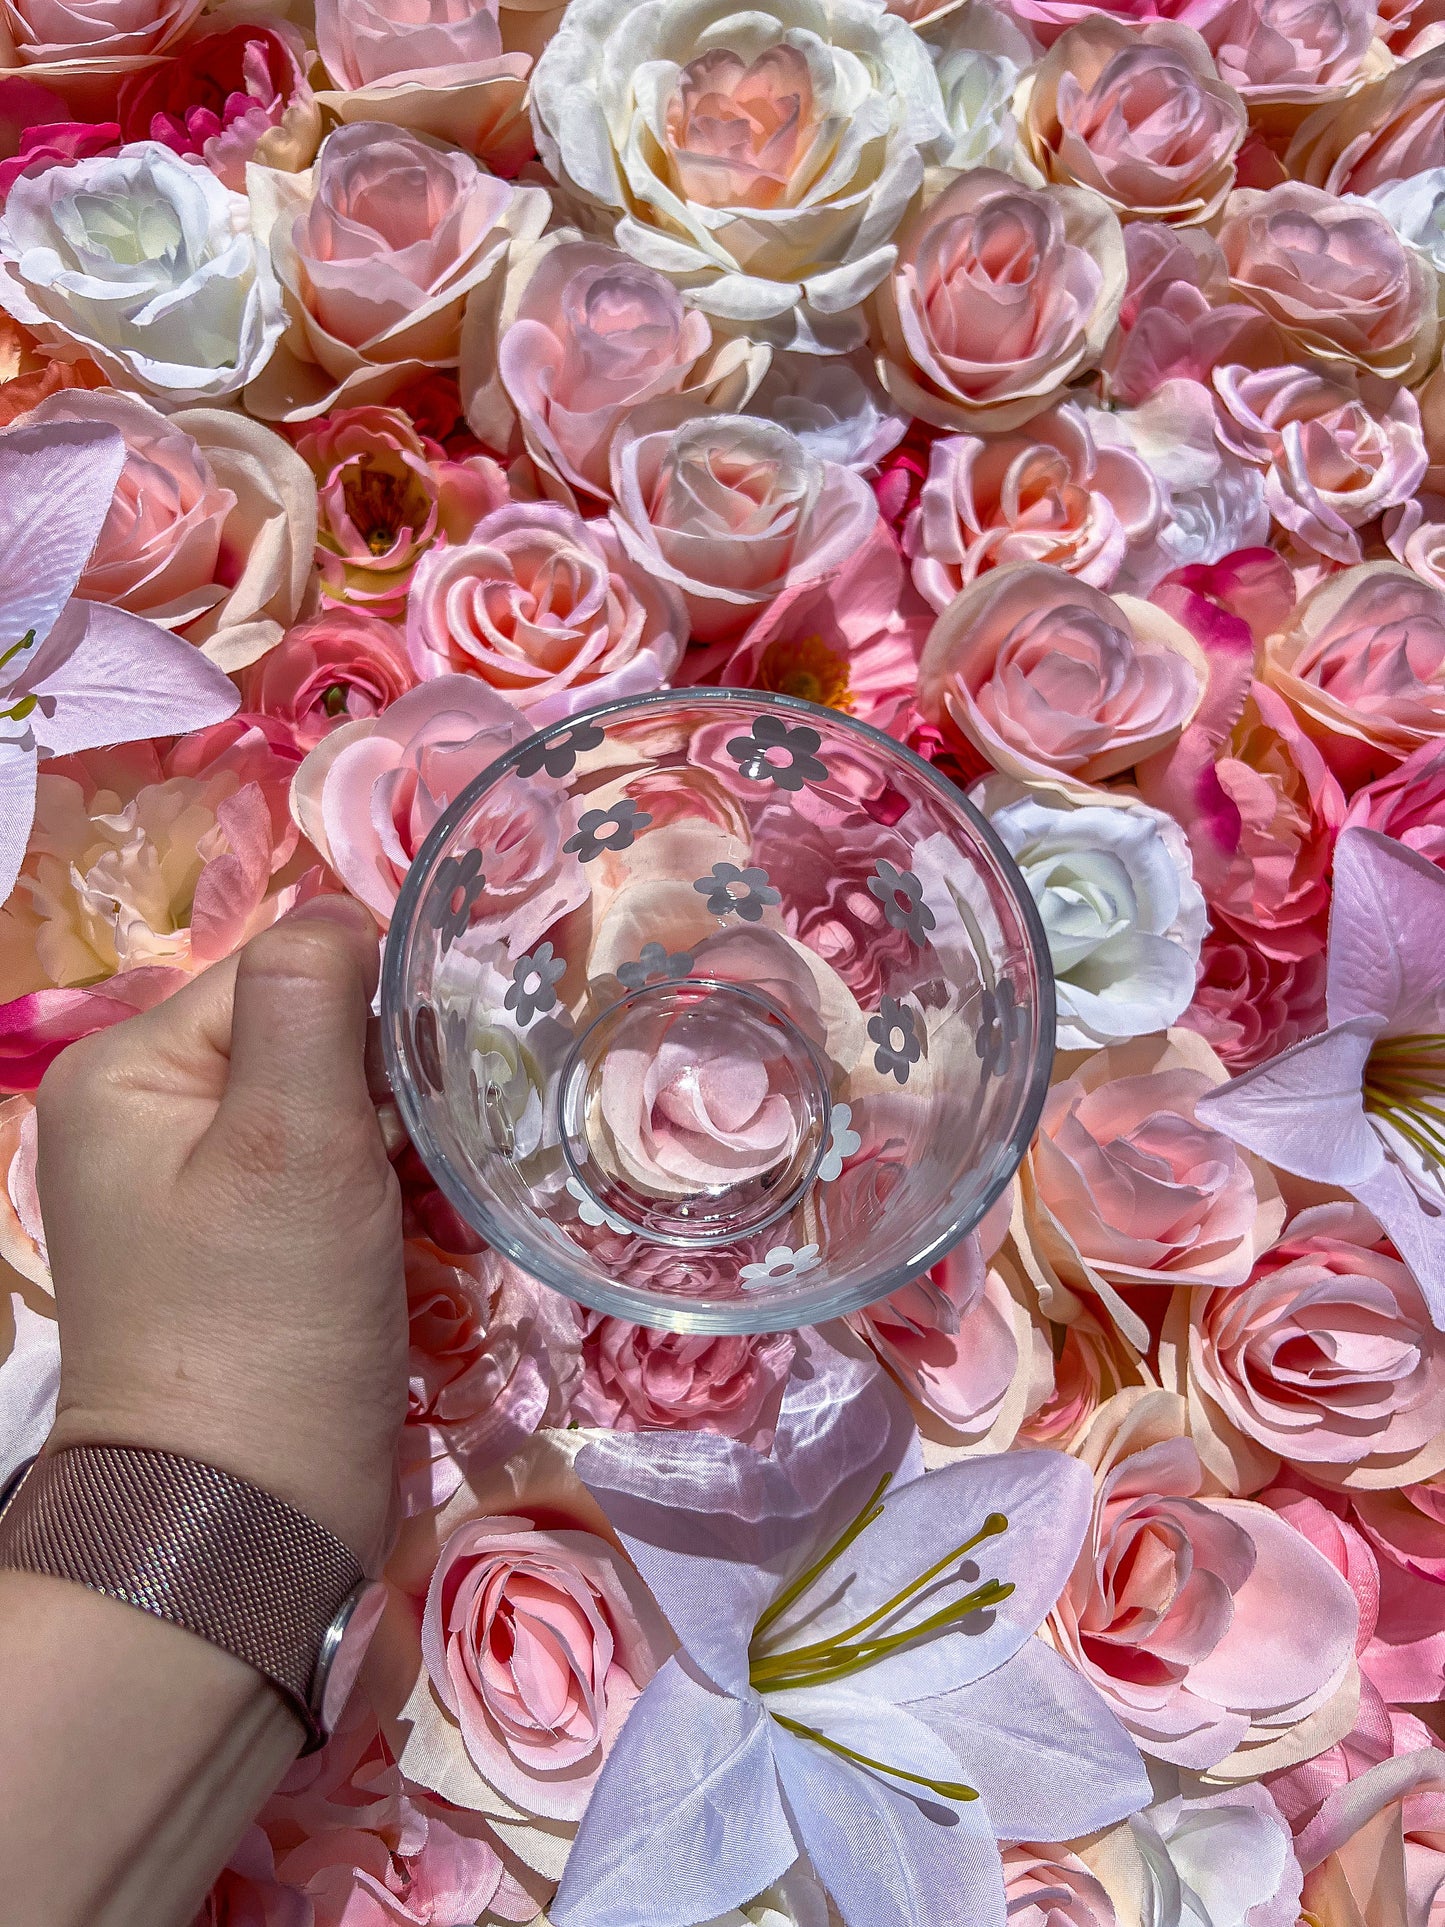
<point x="190" y="1544"/>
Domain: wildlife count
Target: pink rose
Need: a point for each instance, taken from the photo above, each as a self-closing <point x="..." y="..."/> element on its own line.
<point x="1047" y="1886"/>
<point x="437" y="66"/>
<point x="246" y="1892"/>
<point x="537" y="1643"/>
<point x="1334" y="277"/>
<point x="1049" y="18"/>
<point x="1408" y="804"/>
<point x="1411" y="27"/>
<point x="1137" y="113"/>
<point x="731" y="511"/>
<point x="338" y="667"/>
<point x="53" y="143"/>
<point x="386" y="493"/>
<point x="1091" y="1361"/>
<point x="1248" y="1005"/>
<point x="22" y="1232"/>
<point x="1177" y="321"/>
<point x="1385" y="132"/>
<point x="1212" y="1628"/>
<point x="369" y="792"/>
<point x="635" y="1379"/>
<point x="381" y="250"/>
<point x="1124" y="1186"/>
<point x="1047" y="492"/>
<point x="45" y="31"/>
<point x="1362" y="664"/>
<point x="550" y="610"/>
<point x="1415" y="531"/>
<point x="229" y="98"/>
<point x="1326" y="1356"/>
<point x="1001" y="296"/>
<point x="1282" y="53"/>
<point x="1332" y="463"/>
<point x="35" y="1029"/>
<point x="492" y="1356"/>
<point x="1374" y="1849"/>
<point x="588" y="335"/>
<point x="1044" y="675"/>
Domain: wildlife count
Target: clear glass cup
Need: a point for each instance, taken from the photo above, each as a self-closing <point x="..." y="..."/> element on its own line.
<point x="717" y="1011"/>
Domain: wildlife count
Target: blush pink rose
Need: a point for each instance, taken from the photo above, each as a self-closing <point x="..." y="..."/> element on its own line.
<point x="1289" y="52"/>
<point x="492" y="1357"/>
<point x="1332" y="463"/>
<point x="588" y="335"/>
<point x="45" y="31"/>
<point x="635" y="1379"/>
<point x="730" y="511"/>
<point x="381" y="250"/>
<point x="1177" y="321"/>
<point x="1415" y="531"/>
<point x="1001" y="296"/>
<point x="341" y="666"/>
<point x="229" y="98"/>
<point x="1334" y="277"/>
<point x="1047" y="1886"/>
<point x="1138" y="114"/>
<point x="1124" y="1186"/>
<point x="1248" y="1005"/>
<point x="1408" y="804"/>
<point x="1362" y="664"/>
<point x="537" y="1643"/>
<point x="367" y="794"/>
<point x="551" y="611"/>
<point x="386" y="493"/>
<point x="1046" y="492"/>
<point x="1411" y="27"/>
<point x="1210" y="1626"/>
<point x="1385" y="132"/>
<point x="1325" y="1356"/>
<point x="1044" y="675"/>
<point x="53" y="143"/>
<point x="1091" y="1361"/>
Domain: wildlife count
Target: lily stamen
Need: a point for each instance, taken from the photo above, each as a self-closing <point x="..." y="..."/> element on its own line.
<point x="775" y="1674"/>
<point x="872" y="1510"/>
<point x="15" y="648"/>
<point x="1402" y="1075"/>
<point x="947" y="1789"/>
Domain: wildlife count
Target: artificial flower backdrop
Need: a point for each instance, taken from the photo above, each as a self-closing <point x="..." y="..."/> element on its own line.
<point x="1057" y="387"/>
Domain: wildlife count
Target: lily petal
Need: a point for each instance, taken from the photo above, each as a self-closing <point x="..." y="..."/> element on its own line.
<point x="106" y="676"/>
<point x="1386" y="919"/>
<point x="59" y="482"/>
<point x="686" y="1820"/>
<point x="1417" y="1229"/>
<point x="17" y="809"/>
<point x="1304" y="1110"/>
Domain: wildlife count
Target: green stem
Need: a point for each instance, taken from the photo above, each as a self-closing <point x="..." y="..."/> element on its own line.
<point x="840" y="1545"/>
<point x="14" y="650"/>
<point x="947" y="1789"/>
<point x="780" y="1671"/>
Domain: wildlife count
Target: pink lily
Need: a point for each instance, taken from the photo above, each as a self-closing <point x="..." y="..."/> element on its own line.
<point x="1362" y="1104"/>
<point x="75" y="674"/>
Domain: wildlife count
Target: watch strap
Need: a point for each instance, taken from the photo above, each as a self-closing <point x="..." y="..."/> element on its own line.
<point x="191" y="1544"/>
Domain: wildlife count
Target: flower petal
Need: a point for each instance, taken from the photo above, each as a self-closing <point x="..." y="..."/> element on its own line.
<point x="1303" y="1110"/>
<point x="116" y="678"/>
<point x="59" y="481"/>
<point x="1385" y="922"/>
<point x="1416" y="1227"/>
<point x="17" y="810"/>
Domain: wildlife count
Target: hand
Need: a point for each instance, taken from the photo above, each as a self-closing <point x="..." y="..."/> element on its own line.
<point x="224" y="1228"/>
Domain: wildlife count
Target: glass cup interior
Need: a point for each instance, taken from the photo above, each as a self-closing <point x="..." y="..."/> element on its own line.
<point x="717" y="1011"/>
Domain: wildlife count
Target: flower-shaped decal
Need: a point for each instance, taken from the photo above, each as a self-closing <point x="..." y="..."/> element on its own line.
<point x="901" y="894"/>
<point x="773" y="753"/>
<point x="655" y="964"/>
<point x="843" y="1143"/>
<point x="533" y="985"/>
<point x="781" y="1265"/>
<point x="895" y="1031"/>
<point x="591" y="1212"/>
<point x="999" y="1029"/>
<point x="614" y="829"/>
<point x="558" y="754"/>
<point x="458" y="886"/>
<point x="426" y="1045"/>
<point x="733" y="892"/>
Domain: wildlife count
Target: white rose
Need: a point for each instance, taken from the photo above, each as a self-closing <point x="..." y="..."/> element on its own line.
<point x="1415" y="209"/>
<point x="1200" y="1856"/>
<point x="146" y="264"/>
<point x="979" y="54"/>
<point x="762" y="157"/>
<point x="833" y="404"/>
<point x="1123" y="915"/>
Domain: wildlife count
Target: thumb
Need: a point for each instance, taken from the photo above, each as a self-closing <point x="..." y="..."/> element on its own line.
<point x="298" y="1027"/>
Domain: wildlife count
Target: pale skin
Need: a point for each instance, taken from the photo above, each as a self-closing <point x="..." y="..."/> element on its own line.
<point x="224" y="1231"/>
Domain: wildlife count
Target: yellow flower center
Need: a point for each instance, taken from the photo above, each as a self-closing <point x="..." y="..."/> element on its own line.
<point x="808" y="668"/>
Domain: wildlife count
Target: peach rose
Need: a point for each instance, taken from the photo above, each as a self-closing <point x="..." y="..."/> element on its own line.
<point x="1331" y="462"/>
<point x="548" y="609"/>
<point x="367" y="794"/>
<point x="587" y="335"/>
<point x="635" y="1379"/>
<point x="1386" y="132"/>
<point x="383" y="250"/>
<point x="340" y="666"/>
<point x="1408" y="804"/>
<point x="138" y="858"/>
<point x="1326" y="1356"/>
<point x="1138" y="114"/>
<point x="435" y="66"/>
<point x="1334" y="277"/>
<point x="1001" y="296"/>
<point x="731" y="511"/>
<point x="1045" y="676"/>
<point x="1249" y="1006"/>
<point x="385" y="494"/>
<point x="1124" y="1186"/>
<point x="1215" y="1632"/>
<point x="1362" y="664"/>
<point x="1290" y="53"/>
<point x="1046" y="492"/>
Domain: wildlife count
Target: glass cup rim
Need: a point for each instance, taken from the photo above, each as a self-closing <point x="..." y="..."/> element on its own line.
<point x="811" y="1305"/>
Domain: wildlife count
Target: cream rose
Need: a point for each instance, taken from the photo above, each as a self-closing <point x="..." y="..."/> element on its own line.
<point x="703" y="135"/>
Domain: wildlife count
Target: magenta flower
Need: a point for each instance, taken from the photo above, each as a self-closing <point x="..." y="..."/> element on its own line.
<point x="75" y="674"/>
<point x="1362" y="1104"/>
